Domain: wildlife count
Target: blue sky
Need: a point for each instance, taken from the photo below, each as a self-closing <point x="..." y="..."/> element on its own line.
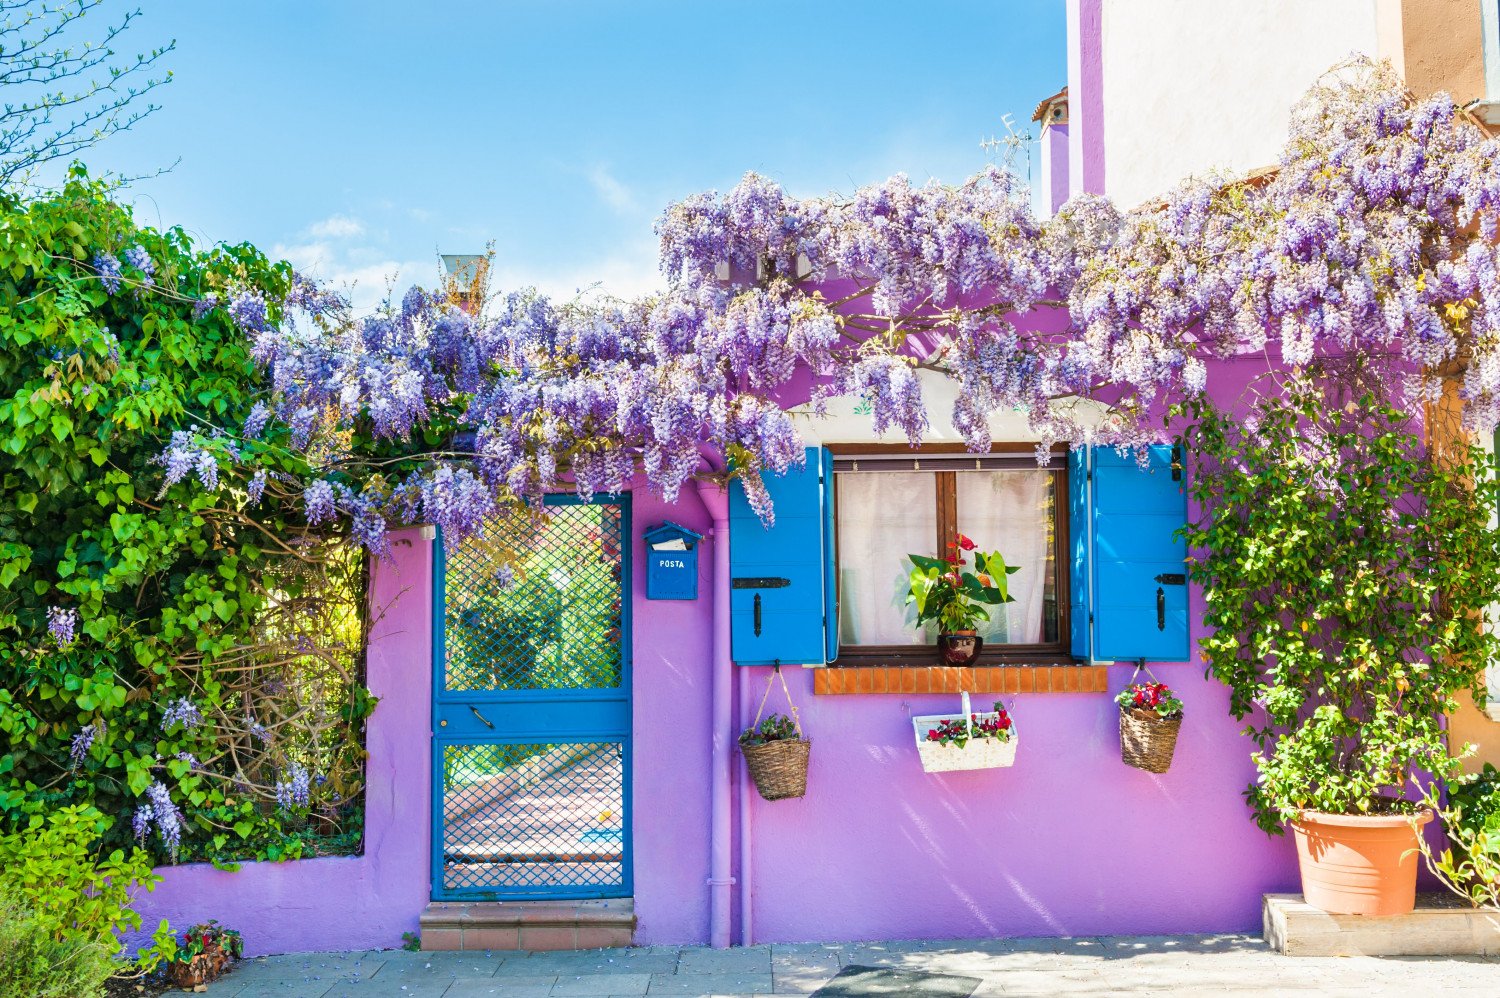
<point x="360" y="138"/>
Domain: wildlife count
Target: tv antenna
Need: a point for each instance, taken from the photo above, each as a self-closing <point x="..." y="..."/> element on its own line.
<point x="1009" y="149"/>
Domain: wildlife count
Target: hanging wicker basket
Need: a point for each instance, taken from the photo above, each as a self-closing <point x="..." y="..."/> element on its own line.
<point x="1147" y="740"/>
<point x="779" y="768"/>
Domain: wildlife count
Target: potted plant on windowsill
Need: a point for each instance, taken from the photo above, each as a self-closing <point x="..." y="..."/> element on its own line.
<point x="1345" y="568"/>
<point x="1150" y="717"/>
<point x="966" y="740"/>
<point x="944" y="591"/>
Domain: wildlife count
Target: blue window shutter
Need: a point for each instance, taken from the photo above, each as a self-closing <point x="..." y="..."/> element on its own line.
<point x="777" y="596"/>
<point x="1080" y="542"/>
<point x="1139" y="564"/>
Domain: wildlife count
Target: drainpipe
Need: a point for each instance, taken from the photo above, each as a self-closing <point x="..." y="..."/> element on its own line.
<point x="720" y="879"/>
<point x="747" y="881"/>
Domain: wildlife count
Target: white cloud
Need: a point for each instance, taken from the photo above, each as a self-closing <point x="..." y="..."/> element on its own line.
<point x="611" y="191"/>
<point x="628" y="272"/>
<point x="364" y="275"/>
<point x="337" y="227"/>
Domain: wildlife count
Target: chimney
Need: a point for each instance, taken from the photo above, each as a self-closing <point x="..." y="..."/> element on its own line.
<point x="1053" y="114"/>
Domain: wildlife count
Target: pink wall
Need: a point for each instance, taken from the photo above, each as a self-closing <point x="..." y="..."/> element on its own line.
<point x="346" y="902"/>
<point x="1069" y="841"/>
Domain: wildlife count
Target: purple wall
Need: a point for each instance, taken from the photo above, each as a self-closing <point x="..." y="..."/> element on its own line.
<point x="1069" y="841"/>
<point x="346" y="902"/>
<point x="1054" y="167"/>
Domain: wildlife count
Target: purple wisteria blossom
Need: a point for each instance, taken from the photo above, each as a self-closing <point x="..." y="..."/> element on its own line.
<point x="181" y="711"/>
<point x="82" y="742"/>
<point x="186" y="454"/>
<point x="292" y="791"/>
<point x="204" y="305"/>
<point x="163" y="813"/>
<point x="1362" y="241"/>
<point x="256" y="487"/>
<point x="108" y="267"/>
<point x="137" y="257"/>
<point x="62" y="624"/>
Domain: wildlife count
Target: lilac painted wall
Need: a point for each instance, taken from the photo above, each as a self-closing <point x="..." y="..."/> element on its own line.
<point x="672" y="738"/>
<point x="346" y="902"/>
<point x="1054" y="167"/>
<point x="880" y="850"/>
<point x="1086" y="96"/>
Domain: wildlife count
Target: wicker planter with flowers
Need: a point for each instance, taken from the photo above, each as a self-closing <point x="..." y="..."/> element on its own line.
<point x="949" y="742"/>
<point x="775" y="751"/>
<point x="1150" y="718"/>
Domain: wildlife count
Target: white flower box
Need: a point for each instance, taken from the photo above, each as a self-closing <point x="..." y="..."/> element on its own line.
<point x="977" y="753"/>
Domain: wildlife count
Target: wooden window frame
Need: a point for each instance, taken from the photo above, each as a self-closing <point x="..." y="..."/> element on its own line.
<point x="946" y="499"/>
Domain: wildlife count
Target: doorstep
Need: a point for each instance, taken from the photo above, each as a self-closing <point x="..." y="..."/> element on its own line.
<point x="1441" y="925"/>
<point x="528" y="925"/>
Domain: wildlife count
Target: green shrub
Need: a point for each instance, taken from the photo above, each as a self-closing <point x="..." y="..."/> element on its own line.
<point x="70" y="893"/>
<point x="1471" y="818"/>
<point x="34" y="962"/>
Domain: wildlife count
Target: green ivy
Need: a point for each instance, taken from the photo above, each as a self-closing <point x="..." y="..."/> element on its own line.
<point x="172" y="589"/>
<point x="1346" y="571"/>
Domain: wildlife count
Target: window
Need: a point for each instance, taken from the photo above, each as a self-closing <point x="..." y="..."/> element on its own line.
<point x="891" y="503"/>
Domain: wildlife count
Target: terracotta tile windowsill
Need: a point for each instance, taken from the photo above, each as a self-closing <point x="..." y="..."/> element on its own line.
<point x="947" y="679"/>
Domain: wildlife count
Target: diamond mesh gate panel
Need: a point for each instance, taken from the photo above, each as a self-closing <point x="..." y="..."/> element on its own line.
<point x="529" y="607"/>
<point x="519" y="818"/>
<point x="535" y="606"/>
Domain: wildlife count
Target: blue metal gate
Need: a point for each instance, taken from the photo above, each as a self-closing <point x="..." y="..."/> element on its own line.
<point x="531" y="708"/>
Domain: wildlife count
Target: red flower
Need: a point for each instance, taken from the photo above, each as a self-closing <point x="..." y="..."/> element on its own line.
<point x="965" y="543"/>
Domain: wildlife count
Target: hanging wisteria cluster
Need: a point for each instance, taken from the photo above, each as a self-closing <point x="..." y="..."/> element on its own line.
<point x="1376" y="236"/>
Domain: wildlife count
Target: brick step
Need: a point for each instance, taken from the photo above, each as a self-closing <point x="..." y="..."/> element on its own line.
<point x="528" y="925"/>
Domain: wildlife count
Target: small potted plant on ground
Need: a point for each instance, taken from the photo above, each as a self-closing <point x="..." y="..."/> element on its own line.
<point x="943" y="591"/>
<point x="966" y="740"/>
<point x="1150" y="717"/>
<point x="777" y="755"/>
<point x="204" y="953"/>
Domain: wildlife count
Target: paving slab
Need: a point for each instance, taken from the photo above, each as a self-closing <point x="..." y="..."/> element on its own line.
<point x="739" y="960"/>
<point x="692" y="985"/>
<point x="582" y="962"/>
<point x="1067" y="968"/>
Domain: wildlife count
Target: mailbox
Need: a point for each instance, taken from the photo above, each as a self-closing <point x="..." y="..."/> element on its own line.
<point x="672" y="562"/>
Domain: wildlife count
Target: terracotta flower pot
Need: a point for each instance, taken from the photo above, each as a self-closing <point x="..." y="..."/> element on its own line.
<point x="1359" y="864"/>
<point x="959" y="647"/>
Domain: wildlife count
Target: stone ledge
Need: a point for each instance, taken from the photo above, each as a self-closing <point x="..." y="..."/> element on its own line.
<point x="1441" y="925"/>
<point x="528" y="925"/>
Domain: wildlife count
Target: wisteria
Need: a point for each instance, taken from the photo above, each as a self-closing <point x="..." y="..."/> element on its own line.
<point x="137" y="257"/>
<point x="108" y="267"/>
<point x="292" y="792"/>
<point x="1375" y="235"/>
<point x="78" y="749"/>
<point x="181" y="711"/>
<point x="159" y="810"/>
<point x="62" y="624"/>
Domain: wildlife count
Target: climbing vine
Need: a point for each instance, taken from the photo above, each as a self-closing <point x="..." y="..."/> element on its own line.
<point x="185" y="660"/>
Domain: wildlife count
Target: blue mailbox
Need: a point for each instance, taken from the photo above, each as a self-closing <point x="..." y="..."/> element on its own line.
<point x="672" y="562"/>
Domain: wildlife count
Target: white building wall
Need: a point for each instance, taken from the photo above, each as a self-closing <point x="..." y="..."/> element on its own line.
<point x="1195" y="85"/>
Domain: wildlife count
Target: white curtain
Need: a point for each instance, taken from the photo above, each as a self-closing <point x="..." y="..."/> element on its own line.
<point x="1008" y="512"/>
<point x="882" y="517"/>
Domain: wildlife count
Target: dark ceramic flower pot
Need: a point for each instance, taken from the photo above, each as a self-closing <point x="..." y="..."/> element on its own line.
<point x="959" y="647"/>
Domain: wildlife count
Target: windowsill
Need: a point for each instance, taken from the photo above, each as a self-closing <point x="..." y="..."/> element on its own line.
<point x="982" y="679"/>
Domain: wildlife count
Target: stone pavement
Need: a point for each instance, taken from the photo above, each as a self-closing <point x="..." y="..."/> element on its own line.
<point x="1110" y="965"/>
